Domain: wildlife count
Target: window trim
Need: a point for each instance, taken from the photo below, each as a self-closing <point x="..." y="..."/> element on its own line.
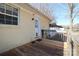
<point x="13" y="6"/>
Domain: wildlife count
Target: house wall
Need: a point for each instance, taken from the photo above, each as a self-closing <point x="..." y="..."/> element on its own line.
<point x="44" y="23"/>
<point x="12" y="36"/>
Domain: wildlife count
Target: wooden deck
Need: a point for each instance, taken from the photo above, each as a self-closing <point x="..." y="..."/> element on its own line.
<point x="42" y="48"/>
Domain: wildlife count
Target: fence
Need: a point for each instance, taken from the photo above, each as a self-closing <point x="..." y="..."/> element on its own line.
<point x="53" y="35"/>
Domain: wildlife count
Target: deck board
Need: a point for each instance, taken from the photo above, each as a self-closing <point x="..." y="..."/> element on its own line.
<point x="43" y="48"/>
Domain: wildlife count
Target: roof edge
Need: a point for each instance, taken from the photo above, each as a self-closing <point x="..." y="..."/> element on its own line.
<point x="36" y="10"/>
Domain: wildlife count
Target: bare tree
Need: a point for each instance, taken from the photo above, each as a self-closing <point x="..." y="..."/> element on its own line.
<point x="72" y="13"/>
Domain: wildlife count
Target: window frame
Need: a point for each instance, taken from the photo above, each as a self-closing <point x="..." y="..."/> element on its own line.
<point x="12" y="6"/>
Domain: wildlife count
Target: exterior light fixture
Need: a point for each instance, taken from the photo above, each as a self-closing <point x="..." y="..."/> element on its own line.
<point x="33" y="17"/>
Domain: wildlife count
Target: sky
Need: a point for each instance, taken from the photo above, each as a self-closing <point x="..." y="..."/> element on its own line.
<point x="60" y="13"/>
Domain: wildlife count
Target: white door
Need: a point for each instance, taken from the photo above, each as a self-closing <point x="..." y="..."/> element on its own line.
<point x="37" y="27"/>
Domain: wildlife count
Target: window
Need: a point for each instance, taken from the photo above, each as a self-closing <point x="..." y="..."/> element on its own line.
<point x="36" y="23"/>
<point x="8" y="14"/>
<point x="2" y="21"/>
<point x="2" y="8"/>
<point x="8" y="9"/>
<point x="15" y="11"/>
